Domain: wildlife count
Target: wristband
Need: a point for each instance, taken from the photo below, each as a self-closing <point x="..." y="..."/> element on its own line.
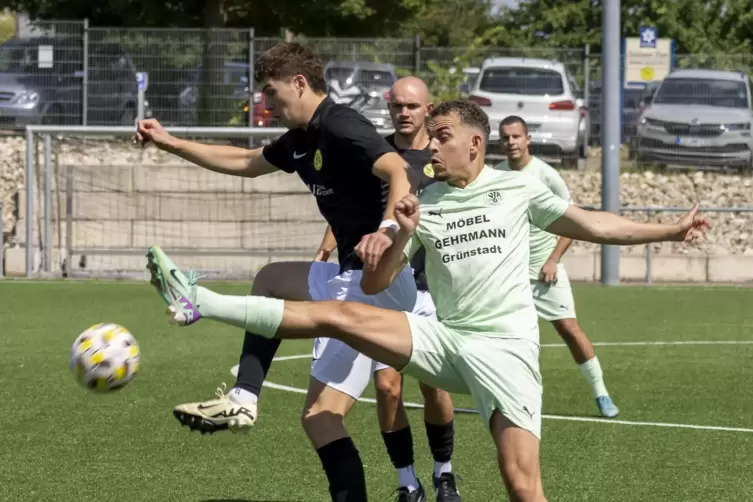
<point x="391" y="224"/>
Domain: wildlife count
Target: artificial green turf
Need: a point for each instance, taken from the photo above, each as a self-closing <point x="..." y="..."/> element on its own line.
<point x="60" y="442"/>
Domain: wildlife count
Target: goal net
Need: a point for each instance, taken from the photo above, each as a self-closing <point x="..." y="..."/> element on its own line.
<point x="110" y="200"/>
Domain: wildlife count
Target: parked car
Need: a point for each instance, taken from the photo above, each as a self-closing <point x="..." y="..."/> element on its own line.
<point x="231" y="94"/>
<point x="631" y="98"/>
<point x="700" y="118"/>
<point x="41" y="81"/>
<point x="363" y="86"/>
<point x="262" y="116"/>
<point x="647" y="96"/>
<point x="545" y="95"/>
<point x="470" y="75"/>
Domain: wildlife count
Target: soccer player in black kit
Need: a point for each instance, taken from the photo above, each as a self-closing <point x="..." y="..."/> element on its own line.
<point x="409" y="105"/>
<point x="357" y="178"/>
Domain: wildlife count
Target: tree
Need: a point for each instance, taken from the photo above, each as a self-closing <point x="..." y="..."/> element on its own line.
<point x="447" y="23"/>
<point x="697" y="27"/>
<point x="709" y="34"/>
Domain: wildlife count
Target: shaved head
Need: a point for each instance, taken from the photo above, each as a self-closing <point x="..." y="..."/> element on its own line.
<point x="412" y="86"/>
<point x="409" y="105"/>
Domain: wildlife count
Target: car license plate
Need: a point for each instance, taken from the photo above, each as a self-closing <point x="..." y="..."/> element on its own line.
<point x="692" y="142"/>
<point x="540" y="135"/>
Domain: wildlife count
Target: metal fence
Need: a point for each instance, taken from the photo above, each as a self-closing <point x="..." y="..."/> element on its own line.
<point x="201" y="77"/>
<point x="93" y="202"/>
<point x="687" y="266"/>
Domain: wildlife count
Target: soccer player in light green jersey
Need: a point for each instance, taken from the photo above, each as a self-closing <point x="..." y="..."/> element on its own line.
<point x="552" y="294"/>
<point x="474" y="227"/>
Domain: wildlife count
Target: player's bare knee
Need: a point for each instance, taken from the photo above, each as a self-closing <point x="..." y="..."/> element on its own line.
<point x="389" y="385"/>
<point x="522" y="485"/>
<point x="343" y="316"/>
<point x="263" y="280"/>
<point x="317" y="418"/>
<point x="284" y="280"/>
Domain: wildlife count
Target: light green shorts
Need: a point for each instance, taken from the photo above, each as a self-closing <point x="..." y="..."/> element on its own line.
<point x="554" y="302"/>
<point x="499" y="373"/>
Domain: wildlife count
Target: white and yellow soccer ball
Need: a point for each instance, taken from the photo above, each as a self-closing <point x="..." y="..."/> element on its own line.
<point x="105" y="357"/>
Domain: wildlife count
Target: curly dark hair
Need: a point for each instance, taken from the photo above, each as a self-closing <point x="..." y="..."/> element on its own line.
<point x="289" y="59"/>
<point x="468" y="112"/>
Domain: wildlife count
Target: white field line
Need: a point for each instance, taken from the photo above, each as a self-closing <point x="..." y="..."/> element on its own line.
<point x="299" y="390"/>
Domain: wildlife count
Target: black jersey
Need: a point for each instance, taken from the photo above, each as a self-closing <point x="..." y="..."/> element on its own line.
<point x="334" y="157"/>
<point x="420" y="164"/>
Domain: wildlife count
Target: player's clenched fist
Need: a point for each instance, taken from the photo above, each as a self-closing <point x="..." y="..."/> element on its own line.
<point x="151" y="130"/>
<point x="407" y="213"/>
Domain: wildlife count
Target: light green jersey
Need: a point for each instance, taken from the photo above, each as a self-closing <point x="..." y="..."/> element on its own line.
<point x="476" y="242"/>
<point x="542" y="242"/>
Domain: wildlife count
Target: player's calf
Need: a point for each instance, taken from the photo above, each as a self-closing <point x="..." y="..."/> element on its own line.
<point x="323" y="421"/>
<point x="324" y="413"/>
<point x="582" y="351"/>
<point x="388" y="384"/>
<point x="439" y="418"/>
<point x="285" y="280"/>
<point x="518" y="458"/>
<point x="396" y="432"/>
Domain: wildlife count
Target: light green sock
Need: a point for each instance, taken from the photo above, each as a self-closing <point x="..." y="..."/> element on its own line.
<point x="256" y="314"/>
<point x="592" y="372"/>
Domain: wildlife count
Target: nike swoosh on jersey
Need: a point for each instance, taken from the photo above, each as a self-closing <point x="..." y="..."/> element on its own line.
<point x="297" y="156"/>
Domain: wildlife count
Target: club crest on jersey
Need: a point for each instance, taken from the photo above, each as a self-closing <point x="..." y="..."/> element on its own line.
<point x="318" y="160"/>
<point x="428" y="171"/>
<point x="493" y="198"/>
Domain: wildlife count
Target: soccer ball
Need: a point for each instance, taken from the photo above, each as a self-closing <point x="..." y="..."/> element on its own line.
<point x="105" y="357"/>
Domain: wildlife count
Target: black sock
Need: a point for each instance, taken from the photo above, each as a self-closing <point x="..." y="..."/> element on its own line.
<point x="399" y="445"/>
<point x="441" y="440"/>
<point x="256" y="358"/>
<point x="344" y="469"/>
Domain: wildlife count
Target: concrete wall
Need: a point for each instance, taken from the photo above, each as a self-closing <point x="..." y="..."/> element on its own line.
<point x="581" y="267"/>
<point x="586" y="267"/>
<point x="126" y="199"/>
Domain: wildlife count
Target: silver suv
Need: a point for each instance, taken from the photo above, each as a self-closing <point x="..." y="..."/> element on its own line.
<point x="699" y="118"/>
<point x="545" y="95"/>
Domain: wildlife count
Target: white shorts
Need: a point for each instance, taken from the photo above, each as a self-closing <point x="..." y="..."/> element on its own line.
<point x="499" y="373"/>
<point x="554" y="302"/>
<point x="335" y="363"/>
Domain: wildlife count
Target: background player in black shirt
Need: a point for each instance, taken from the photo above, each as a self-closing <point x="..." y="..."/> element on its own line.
<point x="345" y="163"/>
<point x="409" y="105"/>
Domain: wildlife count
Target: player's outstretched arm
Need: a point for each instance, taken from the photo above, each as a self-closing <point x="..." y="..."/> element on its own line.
<point x="609" y="228"/>
<point x="218" y="158"/>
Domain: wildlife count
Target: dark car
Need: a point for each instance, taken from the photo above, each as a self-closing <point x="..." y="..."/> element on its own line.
<point x="631" y="109"/>
<point x="41" y="81"/>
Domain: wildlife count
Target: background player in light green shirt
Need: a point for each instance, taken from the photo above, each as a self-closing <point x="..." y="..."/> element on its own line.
<point x="552" y="293"/>
<point x="474" y="228"/>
